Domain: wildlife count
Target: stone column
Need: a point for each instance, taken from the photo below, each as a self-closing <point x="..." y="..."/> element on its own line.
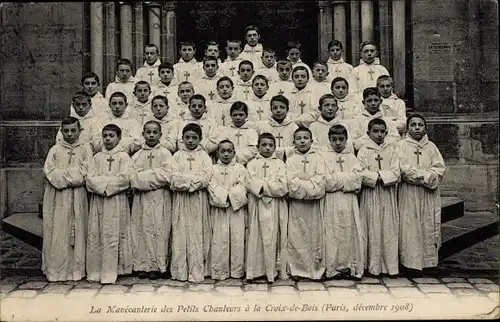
<point x="138" y="35"/>
<point x="126" y="31"/>
<point x="385" y="23"/>
<point x="325" y="26"/>
<point x="367" y="20"/>
<point x="339" y="21"/>
<point x="96" y="39"/>
<point x="355" y="31"/>
<point x="169" y="32"/>
<point x="399" y="48"/>
<point x="154" y="23"/>
<point x="110" y="43"/>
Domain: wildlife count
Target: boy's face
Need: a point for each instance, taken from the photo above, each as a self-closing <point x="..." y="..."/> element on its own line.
<point x="266" y="147"/>
<point x="302" y="141"/>
<point x="187" y="52"/>
<point x="197" y="108"/>
<point x="81" y="106"/>
<point x="320" y="72"/>
<point x="151" y="55"/>
<point x="124" y="72"/>
<point x="166" y="75"/>
<point x="268" y="59"/>
<point x="212" y="50"/>
<point x="225" y="89"/>
<point x="372" y="103"/>
<point x="233" y="49"/>
<point x="191" y="140"/>
<point x="284" y="71"/>
<point x="416" y="128"/>
<point x="335" y="52"/>
<point x="329" y="109"/>
<point x="337" y="141"/>
<point x="159" y="108"/>
<point x="226" y="152"/>
<point x="385" y="88"/>
<point x="142" y="93"/>
<point x="377" y="133"/>
<point x="91" y="86"/>
<point x="300" y="78"/>
<point x="369" y="53"/>
<point x="259" y="87"/>
<point x="110" y="139"/>
<point x="151" y="134"/>
<point x="246" y="72"/>
<point x="210" y="67"/>
<point x="70" y="132"/>
<point x="185" y="92"/>
<point x="238" y="117"/>
<point x="294" y="55"/>
<point x="278" y="110"/>
<point x="340" y="90"/>
<point x="118" y="106"/>
<point x="252" y="37"/>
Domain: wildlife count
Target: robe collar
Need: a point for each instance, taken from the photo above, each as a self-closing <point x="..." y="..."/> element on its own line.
<point x="333" y="62"/>
<point x="155" y="64"/>
<point x="377" y="115"/>
<point x="97" y="95"/>
<point x="147" y="147"/>
<point x="312" y="150"/>
<point x="126" y="115"/>
<point x="116" y="149"/>
<point x="286" y="121"/>
<point x="306" y="89"/>
<point x="217" y="75"/>
<point x="336" y="120"/>
<point x="393" y="97"/>
<point x="272" y="157"/>
<point x="160" y="84"/>
<point x="297" y="62"/>
<point x="131" y="80"/>
<point x="87" y="116"/>
<point x="247" y="125"/>
<point x="255" y="49"/>
<point x="230" y="164"/>
<point x="241" y="82"/>
<point x="164" y="120"/>
<point x="193" y="61"/>
<point x="265" y="67"/>
<point x="324" y="81"/>
<point x="369" y="144"/>
<point x="231" y="99"/>
<point x="423" y="142"/>
<point x="264" y="98"/>
<point x="198" y="148"/>
<point x="345" y="151"/>
<point x="190" y="117"/>
<point x="375" y="62"/>
<point x="71" y="146"/>
<point x="136" y="103"/>
<point x="348" y="97"/>
<point x="228" y="59"/>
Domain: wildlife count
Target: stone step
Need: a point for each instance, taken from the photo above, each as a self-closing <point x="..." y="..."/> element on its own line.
<point x="451" y="208"/>
<point x="27" y="227"/>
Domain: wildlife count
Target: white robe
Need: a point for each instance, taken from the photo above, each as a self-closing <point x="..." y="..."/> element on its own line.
<point x="148" y="73"/>
<point x="242" y="90"/>
<point x="131" y="140"/>
<point x="244" y="139"/>
<point x="169" y="91"/>
<point x="267" y="218"/>
<point x="207" y="86"/>
<point x="339" y="68"/>
<point x="191" y="226"/>
<point x="258" y="108"/>
<point x="394" y="109"/>
<point x="253" y="54"/>
<point x="151" y="218"/>
<point x="419" y="202"/>
<point x="350" y="107"/>
<point x="271" y="73"/>
<point x="220" y="110"/>
<point x="169" y="132"/>
<point x="302" y="101"/>
<point x="281" y="88"/>
<point x="208" y="132"/>
<point x="379" y="208"/>
<point x="229" y="67"/>
<point x="100" y="106"/>
<point x="65" y="211"/>
<point x="139" y="111"/>
<point x="187" y="71"/>
<point x="118" y="86"/>
<point x="343" y="227"/>
<point x="306" y="188"/>
<point x="359" y="127"/>
<point x="283" y="134"/>
<point x="90" y="131"/>
<point x="365" y="75"/>
<point x="301" y="63"/>
<point x="228" y="197"/>
<point x="109" y="242"/>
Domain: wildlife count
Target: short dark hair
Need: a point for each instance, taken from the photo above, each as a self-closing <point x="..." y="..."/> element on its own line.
<point x="225" y="78"/>
<point x="338" y="129"/>
<point x="192" y="127"/>
<point x="225" y="141"/>
<point x="415" y="115"/>
<point x="152" y="122"/>
<point x="302" y="129"/>
<point x="113" y="127"/>
<point x="123" y="61"/>
<point x="141" y="83"/>
<point x="294" y="45"/>
<point x="377" y="121"/>
<point x="264" y="78"/>
<point x="118" y="94"/>
<point x="282" y="99"/>
<point x="366" y="43"/>
<point x="251" y="27"/>
<point x="337" y="43"/>
<point x="339" y="79"/>
<point x="81" y="95"/>
<point x="266" y="135"/>
<point x="152" y="45"/>
<point x="90" y="75"/>
<point x="210" y="58"/>
<point x="298" y="68"/>
<point x="70" y="120"/>
<point x="245" y="62"/>
<point x="327" y="96"/>
<point x="160" y="97"/>
<point x="370" y="91"/>
<point x="166" y="65"/>
<point x="187" y="44"/>
<point x="239" y="106"/>
<point x="198" y="97"/>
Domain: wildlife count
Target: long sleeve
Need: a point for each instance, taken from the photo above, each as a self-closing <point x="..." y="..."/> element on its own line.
<point x="96" y="183"/>
<point x="369" y="178"/>
<point x="391" y="176"/>
<point x="121" y="181"/>
<point x="276" y="186"/>
<point x="333" y="182"/>
<point x="352" y="179"/>
<point x="307" y="119"/>
<point x="246" y="154"/>
<point x="151" y="179"/>
<point x="76" y="175"/>
<point x="179" y="181"/>
<point x="218" y="194"/>
<point x="310" y="189"/>
<point x="54" y="176"/>
<point x="238" y="192"/>
<point x="434" y="174"/>
<point x="202" y="178"/>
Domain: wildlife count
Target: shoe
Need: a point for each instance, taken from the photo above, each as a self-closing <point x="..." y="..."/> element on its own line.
<point x="143" y="275"/>
<point x="153" y="275"/>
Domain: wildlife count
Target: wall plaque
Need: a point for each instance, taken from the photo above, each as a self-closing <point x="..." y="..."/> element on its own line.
<point x="440" y="62"/>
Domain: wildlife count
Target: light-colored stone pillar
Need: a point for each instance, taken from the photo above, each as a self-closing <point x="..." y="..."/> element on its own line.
<point x="169" y="32"/>
<point x="110" y="43"/>
<point x="340" y="21"/>
<point x="126" y="31"/>
<point x="325" y="26"/>
<point x="367" y="20"/>
<point x="96" y="38"/>
<point x="355" y="31"/>
<point x="138" y="35"/>
<point x="154" y="23"/>
<point x="385" y="27"/>
<point x="399" y="48"/>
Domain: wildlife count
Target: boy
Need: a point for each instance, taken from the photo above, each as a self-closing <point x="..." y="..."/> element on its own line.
<point x="294" y="51"/>
<point x="222" y="104"/>
<point x="305" y="172"/>
<point x="167" y="85"/>
<point x="140" y="107"/>
<point x="267" y="214"/>
<point x="283" y="85"/>
<point x="243" y="84"/>
<point x="206" y="85"/>
<point x="268" y="67"/>
<point x="349" y="105"/>
<point x="124" y="81"/>
<point x="392" y="106"/>
<point x="337" y="67"/>
<point x="187" y="69"/>
<point x="244" y="135"/>
<point x="320" y="82"/>
<point x="378" y="202"/>
<point x="191" y="173"/>
<point x="259" y="100"/>
<point x="369" y="69"/>
<point x="90" y="125"/>
<point x="419" y="201"/>
<point x="229" y="67"/>
<point x="160" y="111"/>
<point x="181" y="103"/>
<point x="149" y="71"/>
<point x="253" y="49"/>
<point x="212" y="49"/>
<point x="65" y="205"/>
<point x="228" y="215"/>
<point x="130" y="128"/>
<point x="109" y="243"/>
<point x="280" y="125"/>
<point x="302" y="98"/>
<point x="152" y="206"/>
<point x="343" y="229"/>
<point x="90" y="84"/>
<point x="371" y="101"/>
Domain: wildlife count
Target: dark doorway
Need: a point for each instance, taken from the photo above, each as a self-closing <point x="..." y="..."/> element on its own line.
<point x="278" y="21"/>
